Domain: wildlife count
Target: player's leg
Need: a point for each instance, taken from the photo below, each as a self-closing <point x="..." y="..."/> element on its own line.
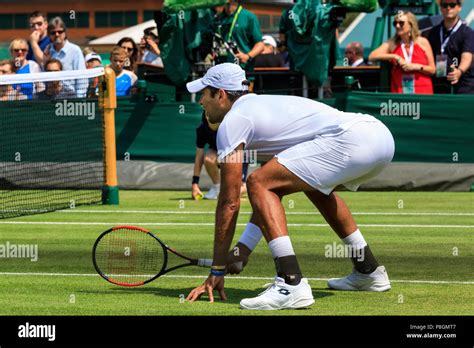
<point x="266" y="186"/>
<point x="212" y="169"/>
<point x="368" y="275"/>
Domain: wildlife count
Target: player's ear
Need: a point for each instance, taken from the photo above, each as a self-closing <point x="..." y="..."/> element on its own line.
<point x="222" y="94"/>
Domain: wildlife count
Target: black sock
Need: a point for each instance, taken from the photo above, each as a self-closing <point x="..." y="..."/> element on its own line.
<point x="366" y="263"/>
<point x="287" y="268"/>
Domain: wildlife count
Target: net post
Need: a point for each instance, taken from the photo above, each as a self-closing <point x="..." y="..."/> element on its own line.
<point x="108" y="102"/>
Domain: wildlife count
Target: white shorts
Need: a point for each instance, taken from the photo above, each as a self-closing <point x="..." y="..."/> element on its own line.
<point x="350" y="158"/>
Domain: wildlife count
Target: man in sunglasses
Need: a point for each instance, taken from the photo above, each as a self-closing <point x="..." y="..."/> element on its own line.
<point x="69" y="54"/>
<point x="39" y="38"/>
<point x="452" y="42"/>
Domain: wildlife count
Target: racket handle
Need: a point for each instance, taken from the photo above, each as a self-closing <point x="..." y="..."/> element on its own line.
<point x="204" y="262"/>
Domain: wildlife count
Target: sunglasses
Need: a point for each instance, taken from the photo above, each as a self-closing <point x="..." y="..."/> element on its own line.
<point x="54" y="32"/>
<point x="129" y="49"/>
<point x="449" y="4"/>
<point x="401" y="23"/>
<point x="18" y="50"/>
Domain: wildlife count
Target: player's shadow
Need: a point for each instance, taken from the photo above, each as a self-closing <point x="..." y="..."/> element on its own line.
<point x="233" y="295"/>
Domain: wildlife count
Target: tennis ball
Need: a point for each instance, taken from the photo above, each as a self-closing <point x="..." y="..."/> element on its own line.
<point x="198" y="197"/>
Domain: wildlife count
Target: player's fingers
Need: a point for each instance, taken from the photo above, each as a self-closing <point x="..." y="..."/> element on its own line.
<point x="223" y="295"/>
<point x="194" y="294"/>
<point x="209" y="292"/>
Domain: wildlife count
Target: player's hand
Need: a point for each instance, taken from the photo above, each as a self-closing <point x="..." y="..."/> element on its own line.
<point x="237" y="259"/>
<point x="35" y="36"/>
<point x="196" y="192"/>
<point x="212" y="283"/>
<point x="454" y="75"/>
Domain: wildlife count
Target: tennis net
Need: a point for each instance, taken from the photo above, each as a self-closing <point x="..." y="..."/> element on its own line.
<point x="51" y="143"/>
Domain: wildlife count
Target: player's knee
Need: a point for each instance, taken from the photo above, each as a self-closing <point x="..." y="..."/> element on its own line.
<point x="253" y="184"/>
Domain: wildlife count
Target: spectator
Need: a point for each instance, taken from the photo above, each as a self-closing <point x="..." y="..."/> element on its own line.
<point x="131" y="47"/>
<point x="453" y="46"/>
<point x="18" y="51"/>
<point x="7" y="92"/>
<point x="150" y="52"/>
<point x="240" y="26"/>
<point x="69" y="54"/>
<point x="93" y="60"/>
<point x="354" y="54"/>
<point x="39" y="38"/>
<point x="270" y="57"/>
<point x="411" y="57"/>
<point x="55" y="89"/>
<point x="125" y="79"/>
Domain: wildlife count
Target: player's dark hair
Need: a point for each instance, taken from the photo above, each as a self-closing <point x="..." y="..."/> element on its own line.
<point x="233" y="95"/>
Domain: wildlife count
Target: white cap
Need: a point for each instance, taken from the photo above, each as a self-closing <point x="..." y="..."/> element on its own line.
<point x="226" y="76"/>
<point x="91" y="56"/>
<point x="269" y="40"/>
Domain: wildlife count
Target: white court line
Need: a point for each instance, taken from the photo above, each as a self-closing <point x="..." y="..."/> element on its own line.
<point x="228" y="278"/>
<point x="143" y="223"/>
<point x="91" y="211"/>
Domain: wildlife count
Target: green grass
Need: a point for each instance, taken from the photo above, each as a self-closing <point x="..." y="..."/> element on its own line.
<point x="418" y="253"/>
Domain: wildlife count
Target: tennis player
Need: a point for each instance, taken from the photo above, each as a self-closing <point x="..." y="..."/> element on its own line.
<point x="311" y="148"/>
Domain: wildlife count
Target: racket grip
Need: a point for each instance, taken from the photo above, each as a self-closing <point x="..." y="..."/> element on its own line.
<point x="204" y="262"/>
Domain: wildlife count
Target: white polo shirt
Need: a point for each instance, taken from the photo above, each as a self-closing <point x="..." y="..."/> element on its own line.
<point x="273" y="123"/>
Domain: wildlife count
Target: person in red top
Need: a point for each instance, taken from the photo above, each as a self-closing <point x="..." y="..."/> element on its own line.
<point x="411" y="57"/>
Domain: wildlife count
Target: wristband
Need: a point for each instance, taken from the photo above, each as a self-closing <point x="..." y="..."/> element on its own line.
<point x="218" y="268"/>
<point x="250" y="58"/>
<point x="462" y="72"/>
<point x="195" y="179"/>
<point x="217" y="273"/>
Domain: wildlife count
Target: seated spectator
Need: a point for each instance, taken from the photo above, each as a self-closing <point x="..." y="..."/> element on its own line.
<point x="453" y="46"/>
<point x="55" y="89"/>
<point x="93" y="60"/>
<point x="269" y="58"/>
<point x="39" y="39"/>
<point x="131" y="47"/>
<point x="69" y="54"/>
<point x="150" y="52"/>
<point x="125" y="79"/>
<point x="7" y="92"/>
<point x="411" y="57"/>
<point x="354" y="55"/>
<point x="18" y="51"/>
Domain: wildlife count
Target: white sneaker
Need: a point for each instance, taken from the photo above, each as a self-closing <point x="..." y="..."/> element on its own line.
<point x="280" y="295"/>
<point x="213" y="192"/>
<point x="375" y="281"/>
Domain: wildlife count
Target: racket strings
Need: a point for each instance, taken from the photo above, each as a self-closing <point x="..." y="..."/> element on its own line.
<point x="129" y="256"/>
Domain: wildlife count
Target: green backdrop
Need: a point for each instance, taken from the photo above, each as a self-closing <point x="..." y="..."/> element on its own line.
<point x="444" y="132"/>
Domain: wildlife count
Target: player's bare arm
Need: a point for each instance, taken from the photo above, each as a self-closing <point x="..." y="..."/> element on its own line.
<point x="227" y="212"/>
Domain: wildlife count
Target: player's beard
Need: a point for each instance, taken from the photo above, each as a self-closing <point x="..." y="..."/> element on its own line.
<point x="212" y="126"/>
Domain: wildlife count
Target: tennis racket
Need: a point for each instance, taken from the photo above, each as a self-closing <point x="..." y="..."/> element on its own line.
<point x="133" y="256"/>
